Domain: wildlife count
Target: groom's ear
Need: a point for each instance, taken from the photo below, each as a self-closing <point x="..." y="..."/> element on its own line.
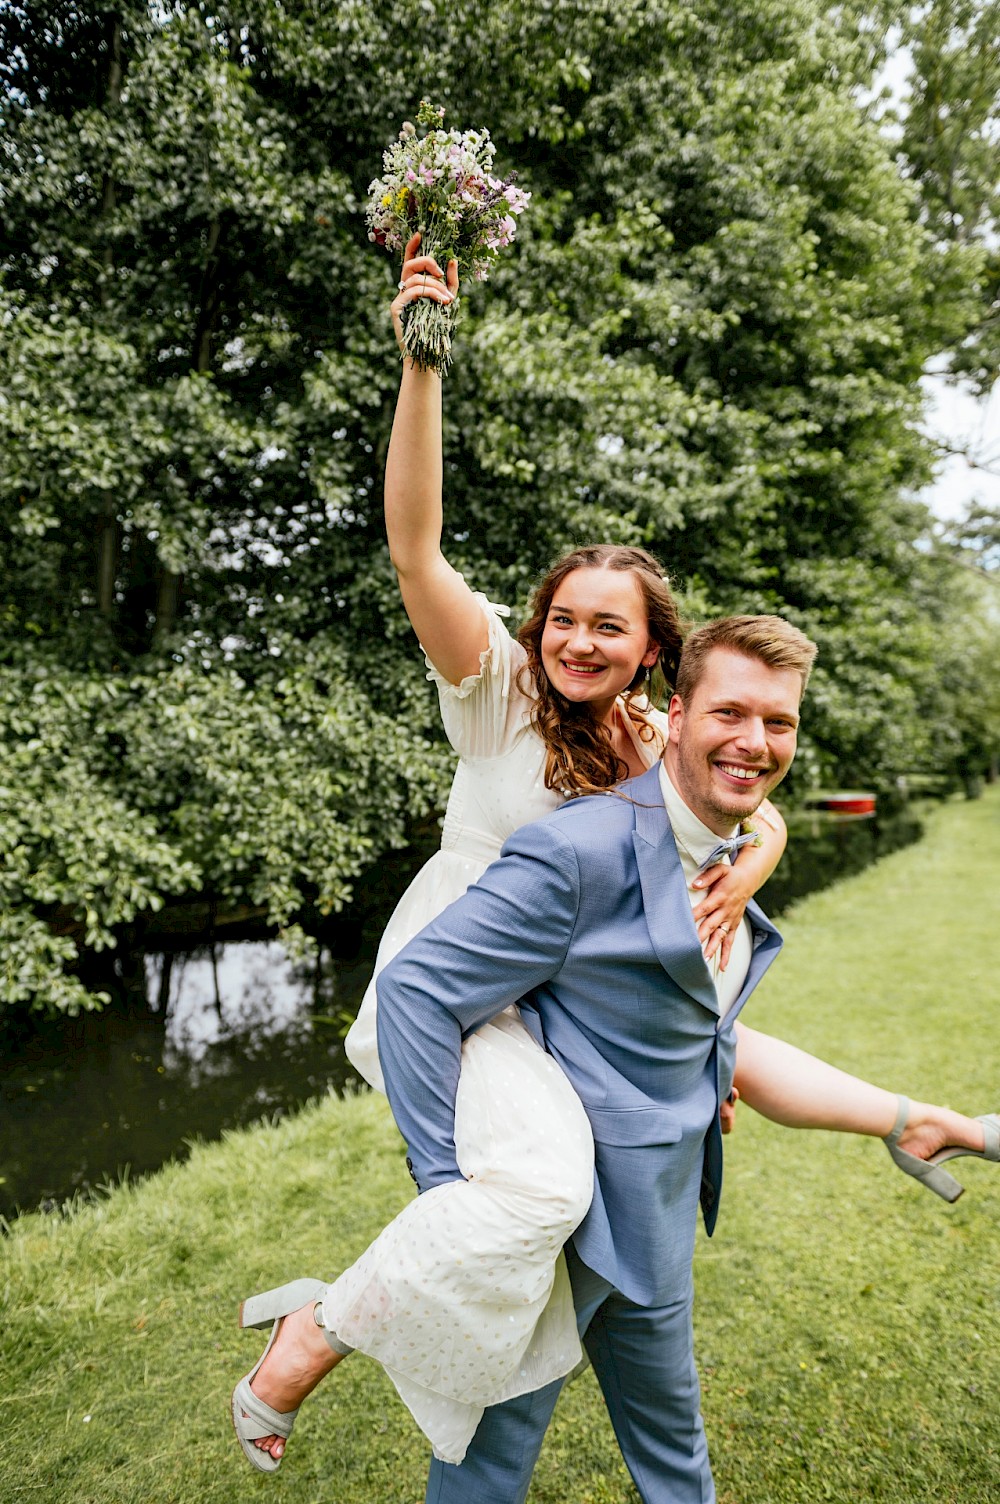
<point x="675" y="718"/>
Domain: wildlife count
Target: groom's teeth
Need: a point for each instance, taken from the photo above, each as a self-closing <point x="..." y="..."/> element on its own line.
<point x="745" y="773"/>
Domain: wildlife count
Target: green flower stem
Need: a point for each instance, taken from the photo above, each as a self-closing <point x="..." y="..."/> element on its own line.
<point x="428" y="326"/>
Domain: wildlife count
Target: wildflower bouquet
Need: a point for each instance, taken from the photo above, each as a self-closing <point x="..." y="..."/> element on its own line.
<point x="440" y="183"/>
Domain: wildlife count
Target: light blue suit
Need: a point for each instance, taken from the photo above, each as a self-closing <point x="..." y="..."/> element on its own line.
<point x="585" y="921"/>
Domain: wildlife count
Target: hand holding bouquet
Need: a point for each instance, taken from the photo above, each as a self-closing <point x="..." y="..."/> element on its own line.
<point x="440" y="185"/>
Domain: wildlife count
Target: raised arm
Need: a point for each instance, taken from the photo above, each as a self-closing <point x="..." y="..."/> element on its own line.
<point x="442" y="609"/>
<point x="728" y="890"/>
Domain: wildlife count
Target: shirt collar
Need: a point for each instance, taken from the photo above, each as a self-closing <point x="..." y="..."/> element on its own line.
<point x="693" y="836"/>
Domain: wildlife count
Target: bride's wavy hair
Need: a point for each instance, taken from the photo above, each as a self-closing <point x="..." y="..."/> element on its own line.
<point x="580" y="758"/>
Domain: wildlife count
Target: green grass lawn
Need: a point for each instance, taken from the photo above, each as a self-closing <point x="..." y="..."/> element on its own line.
<point x="848" y="1322"/>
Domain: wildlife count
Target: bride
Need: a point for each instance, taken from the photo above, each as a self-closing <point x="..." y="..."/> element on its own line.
<point x="464" y="1297"/>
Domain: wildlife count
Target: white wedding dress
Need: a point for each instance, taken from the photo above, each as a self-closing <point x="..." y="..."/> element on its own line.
<point x="464" y="1298"/>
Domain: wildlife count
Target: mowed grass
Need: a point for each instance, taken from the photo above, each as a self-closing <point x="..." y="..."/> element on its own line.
<point x="848" y="1322"/>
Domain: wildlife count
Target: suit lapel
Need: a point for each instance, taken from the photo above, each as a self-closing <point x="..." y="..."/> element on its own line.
<point x="665" y="895"/>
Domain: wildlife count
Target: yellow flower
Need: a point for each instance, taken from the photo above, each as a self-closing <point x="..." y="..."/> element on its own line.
<point x="387" y="201"/>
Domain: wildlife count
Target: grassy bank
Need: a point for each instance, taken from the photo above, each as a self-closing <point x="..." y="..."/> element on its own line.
<point x="848" y="1321"/>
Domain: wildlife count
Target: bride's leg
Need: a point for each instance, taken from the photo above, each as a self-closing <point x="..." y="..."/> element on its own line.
<point x="800" y="1091"/>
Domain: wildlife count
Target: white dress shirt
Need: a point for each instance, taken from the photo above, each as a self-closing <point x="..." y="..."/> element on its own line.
<point x="695" y="842"/>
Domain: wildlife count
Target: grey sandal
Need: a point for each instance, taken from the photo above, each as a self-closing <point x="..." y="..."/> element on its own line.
<point x="929" y="1171"/>
<point x="252" y="1419"/>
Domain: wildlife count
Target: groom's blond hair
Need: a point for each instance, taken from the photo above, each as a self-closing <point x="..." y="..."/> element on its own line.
<point x="768" y="639"/>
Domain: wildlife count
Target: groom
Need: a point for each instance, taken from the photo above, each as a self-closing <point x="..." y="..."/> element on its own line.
<point x="585" y="922"/>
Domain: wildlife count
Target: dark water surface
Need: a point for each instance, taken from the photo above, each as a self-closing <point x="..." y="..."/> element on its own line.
<point x="214" y="1037"/>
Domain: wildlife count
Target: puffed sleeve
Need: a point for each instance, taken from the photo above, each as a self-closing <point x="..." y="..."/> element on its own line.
<point x="483" y="714"/>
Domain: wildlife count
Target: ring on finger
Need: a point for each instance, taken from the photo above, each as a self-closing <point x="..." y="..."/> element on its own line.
<point x="724" y="928"/>
<point x="401" y="284"/>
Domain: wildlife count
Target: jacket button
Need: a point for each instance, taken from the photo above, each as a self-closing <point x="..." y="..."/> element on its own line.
<point x="409" y="1166"/>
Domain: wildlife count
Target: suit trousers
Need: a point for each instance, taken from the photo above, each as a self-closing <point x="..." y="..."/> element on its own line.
<point x="644" y="1361"/>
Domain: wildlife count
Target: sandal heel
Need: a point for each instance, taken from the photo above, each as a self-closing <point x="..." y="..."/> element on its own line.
<point x="263" y="1310"/>
<point x="937" y="1180"/>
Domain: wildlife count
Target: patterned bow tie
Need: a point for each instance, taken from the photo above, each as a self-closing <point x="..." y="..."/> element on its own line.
<point x="728" y="848"/>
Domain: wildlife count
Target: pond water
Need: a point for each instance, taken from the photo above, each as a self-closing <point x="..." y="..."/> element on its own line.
<point x="217" y="1036"/>
<point x="244" y="1034"/>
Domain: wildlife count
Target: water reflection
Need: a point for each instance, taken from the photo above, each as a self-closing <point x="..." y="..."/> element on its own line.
<point x="252" y="989"/>
<point x="201" y="1042"/>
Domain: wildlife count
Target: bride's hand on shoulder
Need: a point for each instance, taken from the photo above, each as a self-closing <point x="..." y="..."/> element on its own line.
<point x="727" y="894"/>
<point x="728" y="890"/>
<point x="422" y="277"/>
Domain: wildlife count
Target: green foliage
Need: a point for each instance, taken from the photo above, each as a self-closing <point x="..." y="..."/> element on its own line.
<point x="279" y="789"/>
<point x="708" y="341"/>
<point x="120" y="791"/>
<point x="950" y="139"/>
<point x="977" y="537"/>
<point x="67" y="840"/>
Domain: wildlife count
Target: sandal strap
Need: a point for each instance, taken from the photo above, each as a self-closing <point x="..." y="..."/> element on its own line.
<point x="270" y="1422"/>
<point x="902" y="1116"/>
<point x="991" y="1135"/>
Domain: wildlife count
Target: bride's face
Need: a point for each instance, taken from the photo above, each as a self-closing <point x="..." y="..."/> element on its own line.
<point x="596" y="636"/>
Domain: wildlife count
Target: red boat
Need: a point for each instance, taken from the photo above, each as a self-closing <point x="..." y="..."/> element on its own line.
<point x="847" y="802"/>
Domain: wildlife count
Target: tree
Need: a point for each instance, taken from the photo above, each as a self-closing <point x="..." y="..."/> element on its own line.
<point x="709" y="343"/>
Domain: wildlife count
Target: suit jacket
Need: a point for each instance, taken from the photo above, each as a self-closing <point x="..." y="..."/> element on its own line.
<point x="585" y="922"/>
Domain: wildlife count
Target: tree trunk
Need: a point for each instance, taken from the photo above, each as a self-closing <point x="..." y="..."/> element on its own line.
<point x="167" y="601"/>
<point x="107" y="557"/>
